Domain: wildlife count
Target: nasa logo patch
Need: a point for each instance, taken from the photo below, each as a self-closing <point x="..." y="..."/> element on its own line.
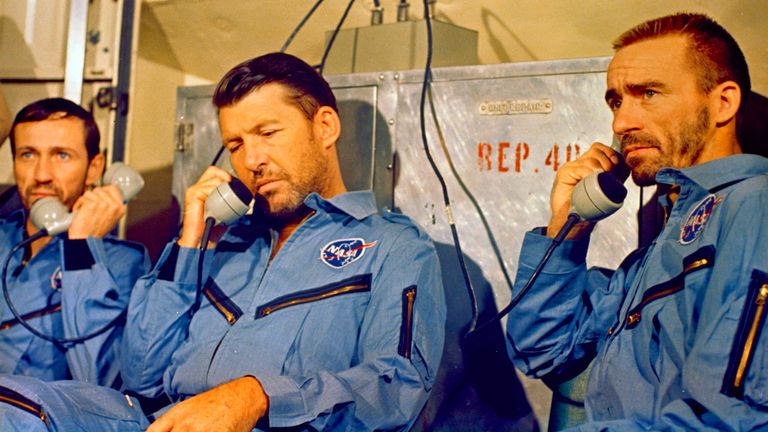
<point x="56" y="279"/>
<point x="694" y="225"/>
<point x="340" y="253"/>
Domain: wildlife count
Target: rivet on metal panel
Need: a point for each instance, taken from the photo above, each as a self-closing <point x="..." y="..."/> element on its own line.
<point x="397" y="76"/>
<point x="431" y="212"/>
<point x="93" y="36"/>
<point x="381" y="77"/>
<point x="390" y="166"/>
<point x="391" y="122"/>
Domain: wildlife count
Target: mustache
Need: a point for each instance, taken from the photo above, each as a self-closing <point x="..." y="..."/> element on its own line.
<point x="268" y="173"/>
<point x="641" y="139"/>
<point x="42" y="188"/>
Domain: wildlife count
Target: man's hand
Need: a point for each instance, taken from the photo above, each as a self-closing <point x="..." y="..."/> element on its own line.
<point x="194" y="205"/>
<point x="230" y="407"/>
<point x="598" y="158"/>
<point x="96" y="212"/>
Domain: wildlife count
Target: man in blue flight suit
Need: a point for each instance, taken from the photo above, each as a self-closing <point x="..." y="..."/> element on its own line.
<point x="315" y="313"/>
<point x="673" y="334"/>
<point x="71" y="285"/>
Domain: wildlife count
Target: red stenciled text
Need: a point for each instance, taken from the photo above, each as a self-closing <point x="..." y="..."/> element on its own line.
<point x="505" y="157"/>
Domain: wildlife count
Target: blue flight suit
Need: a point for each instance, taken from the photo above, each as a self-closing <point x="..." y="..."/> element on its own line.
<point x="674" y="333"/>
<point x="69" y="289"/>
<point x="344" y="327"/>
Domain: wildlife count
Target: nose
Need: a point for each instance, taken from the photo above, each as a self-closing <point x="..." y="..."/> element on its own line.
<point x="627" y="118"/>
<point x="43" y="170"/>
<point x="255" y="157"/>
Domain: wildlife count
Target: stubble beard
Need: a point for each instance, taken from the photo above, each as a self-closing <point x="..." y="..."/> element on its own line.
<point x="288" y="202"/>
<point x="58" y="193"/>
<point x="687" y="146"/>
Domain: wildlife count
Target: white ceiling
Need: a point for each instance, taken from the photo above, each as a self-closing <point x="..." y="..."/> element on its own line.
<point x="206" y="37"/>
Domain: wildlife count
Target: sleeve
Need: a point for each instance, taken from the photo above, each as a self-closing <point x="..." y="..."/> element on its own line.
<point x="557" y="325"/>
<point x="399" y="348"/>
<point x="97" y="277"/>
<point x="159" y="313"/>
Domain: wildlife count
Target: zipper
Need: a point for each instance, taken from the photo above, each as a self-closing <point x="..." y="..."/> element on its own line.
<point x="750" y="327"/>
<point x="637" y="256"/>
<point x="221" y="302"/>
<point x="351" y="285"/>
<point x="702" y="258"/>
<point x="272" y="242"/>
<point x="5" y="325"/>
<point x="406" y="326"/>
<point x="13" y="398"/>
<point x="749" y="346"/>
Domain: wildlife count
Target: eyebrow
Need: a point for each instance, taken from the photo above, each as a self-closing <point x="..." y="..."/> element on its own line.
<point x="54" y="149"/>
<point x="612" y="93"/>
<point x="262" y="123"/>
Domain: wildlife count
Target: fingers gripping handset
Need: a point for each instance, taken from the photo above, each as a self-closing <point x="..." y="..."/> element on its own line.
<point x="96" y="212"/>
<point x="587" y="189"/>
<point x="217" y="197"/>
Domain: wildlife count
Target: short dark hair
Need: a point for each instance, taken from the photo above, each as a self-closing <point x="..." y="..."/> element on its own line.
<point x="309" y="90"/>
<point x="713" y="52"/>
<point x="57" y="108"/>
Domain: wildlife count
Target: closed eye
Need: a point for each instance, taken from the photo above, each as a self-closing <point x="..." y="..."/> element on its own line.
<point x="233" y="145"/>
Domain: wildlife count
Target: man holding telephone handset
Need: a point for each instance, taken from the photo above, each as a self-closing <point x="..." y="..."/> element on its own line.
<point x="313" y="313"/>
<point x="674" y="334"/>
<point x="72" y="285"/>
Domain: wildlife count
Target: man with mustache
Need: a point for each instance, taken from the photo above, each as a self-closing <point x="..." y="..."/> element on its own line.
<point x="316" y="313"/>
<point x="673" y="334"/>
<point x="74" y="284"/>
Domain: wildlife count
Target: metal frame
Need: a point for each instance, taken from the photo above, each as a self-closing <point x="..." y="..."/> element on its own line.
<point x="123" y="83"/>
<point x="75" y="67"/>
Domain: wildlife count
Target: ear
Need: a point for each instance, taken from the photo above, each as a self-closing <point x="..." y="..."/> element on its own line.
<point x="725" y="100"/>
<point x="327" y="125"/>
<point x="95" y="170"/>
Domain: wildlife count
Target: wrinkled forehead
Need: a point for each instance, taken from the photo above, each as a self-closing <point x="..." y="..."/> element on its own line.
<point x="658" y="59"/>
<point x="59" y="131"/>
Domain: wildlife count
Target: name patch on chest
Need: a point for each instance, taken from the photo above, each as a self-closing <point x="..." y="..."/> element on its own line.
<point x="694" y="225"/>
<point x="340" y="253"/>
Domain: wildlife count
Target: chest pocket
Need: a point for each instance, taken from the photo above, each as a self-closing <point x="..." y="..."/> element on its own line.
<point x="699" y="260"/>
<point x="223" y="304"/>
<point x="354" y="284"/>
<point x="747" y="354"/>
